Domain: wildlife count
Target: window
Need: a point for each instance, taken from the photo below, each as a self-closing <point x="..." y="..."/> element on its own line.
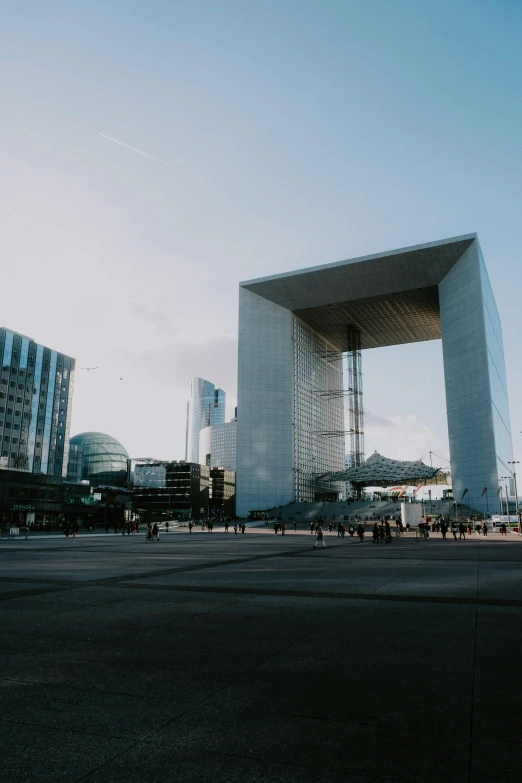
<point x="19" y="400"/>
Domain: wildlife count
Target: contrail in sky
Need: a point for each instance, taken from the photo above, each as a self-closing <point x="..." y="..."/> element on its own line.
<point x="140" y="152"/>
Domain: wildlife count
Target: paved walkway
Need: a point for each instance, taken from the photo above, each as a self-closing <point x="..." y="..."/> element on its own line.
<point x="256" y="658"/>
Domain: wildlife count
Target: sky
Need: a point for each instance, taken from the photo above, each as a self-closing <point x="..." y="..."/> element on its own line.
<point x="154" y="153"/>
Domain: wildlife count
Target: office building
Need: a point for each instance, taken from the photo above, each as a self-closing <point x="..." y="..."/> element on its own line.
<point x="294" y="330"/>
<point x="206" y="406"/>
<point x="171" y="489"/>
<point x="40" y="501"/>
<point x="182" y="490"/>
<point x="36" y="386"/>
<point x="217" y="445"/>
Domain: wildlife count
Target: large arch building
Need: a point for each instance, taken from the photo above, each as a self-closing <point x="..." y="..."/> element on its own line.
<point x="293" y="329"/>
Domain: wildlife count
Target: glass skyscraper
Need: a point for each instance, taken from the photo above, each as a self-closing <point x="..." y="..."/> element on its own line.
<point x="206" y="406"/>
<point x="36" y="385"/>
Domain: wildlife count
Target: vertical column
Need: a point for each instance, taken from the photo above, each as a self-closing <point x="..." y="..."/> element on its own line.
<point x="355" y="398"/>
<point x="265" y="407"/>
<point x="476" y="396"/>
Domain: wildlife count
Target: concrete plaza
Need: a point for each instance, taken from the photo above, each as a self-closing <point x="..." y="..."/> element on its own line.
<point x="213" y="657"/>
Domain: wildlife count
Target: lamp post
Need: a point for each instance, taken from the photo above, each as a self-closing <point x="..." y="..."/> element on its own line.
<point x="517" y="510"/>
<point x="505" y="478"/>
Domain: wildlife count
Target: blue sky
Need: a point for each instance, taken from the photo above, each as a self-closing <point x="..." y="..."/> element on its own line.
<point x="296" y="132"/>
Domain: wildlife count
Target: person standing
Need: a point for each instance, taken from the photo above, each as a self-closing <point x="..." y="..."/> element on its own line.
<point x="243" y="528"/>
<point x="226" y="525"/>
<point x="295" y="526"/>
<point x="235" y="528"/>
<point x="167" y="526"/>
<point x="375" y="534"/>
<point x="462" y="531"/>
<point x="311" y="528"/>
<point x="191" y="525"/>
<point x="443" y="529"/>
<point x="283" y="528"/>
<point x="484" y="529"/>
<point x="360" y="531"/>
<point x="454" y="529"/>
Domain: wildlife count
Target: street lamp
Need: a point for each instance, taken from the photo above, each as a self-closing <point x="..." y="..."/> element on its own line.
<point x="516" y="462"/>
<point x="503" y="478"/>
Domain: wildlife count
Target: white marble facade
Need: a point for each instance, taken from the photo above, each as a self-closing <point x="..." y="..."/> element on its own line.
<point x="438" y="290"/>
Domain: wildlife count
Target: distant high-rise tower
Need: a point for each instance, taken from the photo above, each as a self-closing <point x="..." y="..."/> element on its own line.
<point x="206" y="406"/>
<point x="36" y="385"/>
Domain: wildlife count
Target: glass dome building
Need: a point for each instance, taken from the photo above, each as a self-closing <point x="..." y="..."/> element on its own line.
<point x="99" y="458"/>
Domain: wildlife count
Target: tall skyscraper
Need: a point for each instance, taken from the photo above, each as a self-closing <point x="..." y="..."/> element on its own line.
<point x="36" y="385"/>
<point x="206" y="406"/>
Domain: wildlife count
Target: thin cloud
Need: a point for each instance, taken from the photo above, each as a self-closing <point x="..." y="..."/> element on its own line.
<point x="134" y="149"/>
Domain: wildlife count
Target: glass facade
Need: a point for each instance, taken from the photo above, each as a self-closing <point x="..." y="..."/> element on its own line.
<point x="206" y="406"/>
<point x="318" y="413"/>
<point x="36" y="385"/>
<point x="217" y="445"/>
<point x="98" y="458"/>
<point x="171" y="489"/>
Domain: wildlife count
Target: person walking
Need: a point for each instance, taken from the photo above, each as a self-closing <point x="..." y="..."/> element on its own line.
<point x="167" y="526"/>
<point x="454" y="530"/>
<point x="155" y="532"/>
<point x="226" y="525"/>
<point x="360" y="531"/>
<point x="276" y="527"/>
<point x="319" y="537"/>
<point x="191" y="525"/>
<point x="311" y="528"/>
<point x="295" y="526"/>
<point x="283" y="528"/>
<point x="462" y="531"/>
<point x="243" y="528"/>
<point x="387" y="531"/>
<point x="484" y="529"/>
<point x="443" y="530"/>
<point x="375" y="534"/>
